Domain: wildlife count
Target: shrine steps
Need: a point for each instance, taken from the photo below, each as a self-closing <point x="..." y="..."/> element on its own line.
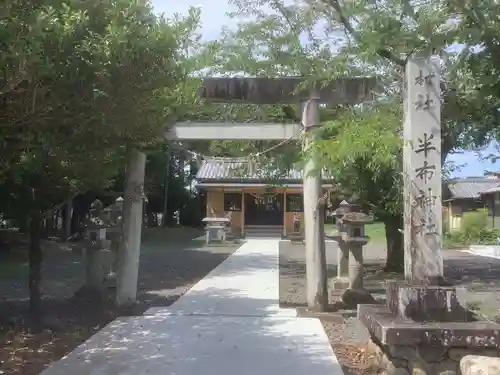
<point x="263" y="231"/>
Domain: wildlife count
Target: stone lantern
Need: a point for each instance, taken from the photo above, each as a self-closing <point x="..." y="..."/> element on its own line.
<point x="354" y="237"/>
<point x="351" y="238"/>
<point x="341" y="282"/>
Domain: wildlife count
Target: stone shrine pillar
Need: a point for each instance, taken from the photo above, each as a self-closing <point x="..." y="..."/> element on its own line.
<point x="424" y="327"/>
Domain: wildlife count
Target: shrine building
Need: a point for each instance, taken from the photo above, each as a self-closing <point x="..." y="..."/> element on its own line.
<point x="256" y="199"/>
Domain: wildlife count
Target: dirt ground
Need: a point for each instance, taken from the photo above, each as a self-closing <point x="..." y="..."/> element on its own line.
<point x="171" y="262"/>
<point x="481" y="276"/>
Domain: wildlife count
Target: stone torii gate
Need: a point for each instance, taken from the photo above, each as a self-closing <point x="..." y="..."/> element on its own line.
<point x="261" y="91"/>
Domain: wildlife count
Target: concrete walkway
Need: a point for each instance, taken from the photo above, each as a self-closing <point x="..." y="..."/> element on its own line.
<point x="228" y="323"/>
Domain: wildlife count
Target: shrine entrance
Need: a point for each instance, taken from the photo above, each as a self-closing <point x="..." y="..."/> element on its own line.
<point x="264" y="209"/>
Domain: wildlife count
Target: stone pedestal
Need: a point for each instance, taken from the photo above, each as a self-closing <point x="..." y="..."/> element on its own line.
<point x="95" y="266"/>
<point x="425" y="359"/>
<point x="426" y="330"/>
<point x="422" y="303"/>
<point x="402" y="346"/>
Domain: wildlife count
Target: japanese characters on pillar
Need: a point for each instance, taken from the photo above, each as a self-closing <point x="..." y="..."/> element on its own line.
<point x="422" y="172"/>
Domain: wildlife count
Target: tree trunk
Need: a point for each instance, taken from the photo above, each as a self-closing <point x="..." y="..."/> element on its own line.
<point x="35" y="270"/>
<point x="395" y="249"/>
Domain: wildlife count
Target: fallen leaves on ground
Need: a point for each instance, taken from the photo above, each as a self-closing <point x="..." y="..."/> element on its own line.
<point x="353" y="356"/>
<point x="26" y="353"/>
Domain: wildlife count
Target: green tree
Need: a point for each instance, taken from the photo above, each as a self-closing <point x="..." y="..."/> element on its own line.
<point x="82" y="83"/>
<point x="363" y="151"/>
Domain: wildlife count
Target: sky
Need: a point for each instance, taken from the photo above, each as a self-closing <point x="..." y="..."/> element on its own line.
<point x="213" y="18"/>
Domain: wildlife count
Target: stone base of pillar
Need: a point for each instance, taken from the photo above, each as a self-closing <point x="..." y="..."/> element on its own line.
<point x="426" y="330"/>
<point x="354" y="297"/>
<point x="296" y="237"/>
<point x="422" y="303"/>
<point x="427" y="360"/>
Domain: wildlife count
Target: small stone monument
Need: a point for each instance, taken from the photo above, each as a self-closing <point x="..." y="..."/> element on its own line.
<point x="114" y="233"/>
<point x="96" y="245"/>
<point x="425" y="327"/>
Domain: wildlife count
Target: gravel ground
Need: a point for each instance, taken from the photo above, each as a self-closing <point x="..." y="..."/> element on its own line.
<point x="480" y="275"/>
<point x="170" y="264"/>
<point x="348" y="339"/>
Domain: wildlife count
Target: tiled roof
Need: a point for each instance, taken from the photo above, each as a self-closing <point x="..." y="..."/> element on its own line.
<point x="238" y="169"/>
<point x="470" y="187"/>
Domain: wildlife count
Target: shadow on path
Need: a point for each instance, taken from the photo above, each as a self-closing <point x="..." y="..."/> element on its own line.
<point x="212" y="345"/>
<point x="168" y="267"/>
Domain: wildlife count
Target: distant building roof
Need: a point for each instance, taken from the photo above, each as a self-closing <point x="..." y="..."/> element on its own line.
<point x="471" y="187"/>
<point x="240" y="170"/>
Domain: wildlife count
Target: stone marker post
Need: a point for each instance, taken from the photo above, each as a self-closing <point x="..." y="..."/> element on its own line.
<point x="422" y="173"/>
<point x="424" y="327"/>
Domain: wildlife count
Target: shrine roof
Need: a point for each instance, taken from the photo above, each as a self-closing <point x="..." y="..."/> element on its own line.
<point x="471" y="187"/>
<point x="235" y="170"/>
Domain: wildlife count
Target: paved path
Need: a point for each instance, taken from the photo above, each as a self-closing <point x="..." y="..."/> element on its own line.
<point x="228" y="323"/>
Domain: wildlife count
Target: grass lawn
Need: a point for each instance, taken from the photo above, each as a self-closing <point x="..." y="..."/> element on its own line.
<point x="376" y="231"/>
